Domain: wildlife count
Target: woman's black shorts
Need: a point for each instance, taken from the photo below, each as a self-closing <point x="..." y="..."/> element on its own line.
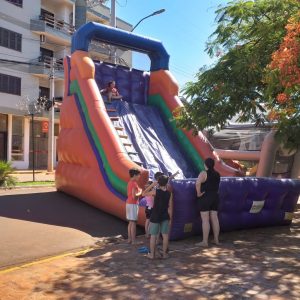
<point x="209" y="201"/>
<point x="148" y="212"/>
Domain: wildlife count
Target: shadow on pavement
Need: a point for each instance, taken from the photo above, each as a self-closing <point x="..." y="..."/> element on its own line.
<point x="56" y="208"/>
<point x="262" y="263"/>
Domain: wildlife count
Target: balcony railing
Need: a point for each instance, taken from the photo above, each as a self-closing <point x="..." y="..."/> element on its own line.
<point x="52" y="26"/>
<point x="16" y="2"/>
<point x="58" y="63"/>
<point x="57" y="24"/>
<point x="99" y="47"/>
<point x="42" y="65"/>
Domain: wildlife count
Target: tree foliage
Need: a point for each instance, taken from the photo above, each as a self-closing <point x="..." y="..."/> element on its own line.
<point x="283" y="79"/>
<point x="6" y="179"/>
<point x="247" y="34"/>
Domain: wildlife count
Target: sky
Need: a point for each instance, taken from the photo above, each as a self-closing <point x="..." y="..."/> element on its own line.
<point x="183" y="28"/>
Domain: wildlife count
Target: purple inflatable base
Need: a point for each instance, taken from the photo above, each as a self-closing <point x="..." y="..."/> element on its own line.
<point x="244" y="203"/>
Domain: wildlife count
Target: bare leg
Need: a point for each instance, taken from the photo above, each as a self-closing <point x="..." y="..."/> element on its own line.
<point x="129" y="232"/>
<point x="158" y="239"/>
<point x="116" y="97"/>
<point x="147" y="223"/>
<point x="133" y="231"/>
<point x="215" y="225"/>
<point x="152" y="246"/>
<point x="170" y="225"/>
<point x="205" y="228"/>
<point x="165" y="245"/>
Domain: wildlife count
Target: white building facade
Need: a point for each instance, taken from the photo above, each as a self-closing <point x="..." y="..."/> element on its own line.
<point x="34" y="33"/>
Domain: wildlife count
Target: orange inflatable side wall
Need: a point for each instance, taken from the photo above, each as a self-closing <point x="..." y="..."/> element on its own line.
<point x="82" y="68"/>
<point x="78" y="173"/>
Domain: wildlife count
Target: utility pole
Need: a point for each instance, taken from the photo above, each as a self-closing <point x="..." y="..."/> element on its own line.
<point x="32" y="147"/>
<point x="113" y="23"/>
<point x="31" y="107"/>
<point x="80" y="19"/>
<point x="50" y="166"/>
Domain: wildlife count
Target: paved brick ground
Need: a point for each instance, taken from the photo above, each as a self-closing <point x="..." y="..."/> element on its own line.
<point x="253" y="264"/>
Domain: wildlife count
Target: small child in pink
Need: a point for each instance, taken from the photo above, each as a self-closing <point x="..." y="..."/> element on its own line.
<point x="148" y="210"/>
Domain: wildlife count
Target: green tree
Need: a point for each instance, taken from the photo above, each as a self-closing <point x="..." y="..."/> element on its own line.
<point x="6" y="179"/>
<point x="283" y="79"/>
<point x="247" y="34"/>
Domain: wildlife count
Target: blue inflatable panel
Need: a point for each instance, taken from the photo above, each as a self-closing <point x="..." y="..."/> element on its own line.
<point x="132" y="84"/>
<point x="121" y="38"/>
<point x="244" y="203"/>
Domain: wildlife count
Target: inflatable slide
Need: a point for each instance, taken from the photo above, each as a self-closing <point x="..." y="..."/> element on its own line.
<point x="99" y="142"/>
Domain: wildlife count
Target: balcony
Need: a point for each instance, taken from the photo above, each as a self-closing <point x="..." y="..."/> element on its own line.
<point x="52" y="27"/>
<point x="42" y="66"/>
<point x="101" y="51"/>
<point x="99" y="48"/>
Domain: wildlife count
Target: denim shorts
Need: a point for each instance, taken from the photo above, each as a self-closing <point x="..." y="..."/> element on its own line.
<point x="162" y="227"/>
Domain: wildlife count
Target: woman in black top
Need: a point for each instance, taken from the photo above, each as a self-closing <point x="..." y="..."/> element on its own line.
<point x="160" y="215"/>
<point x="207" y="187"/>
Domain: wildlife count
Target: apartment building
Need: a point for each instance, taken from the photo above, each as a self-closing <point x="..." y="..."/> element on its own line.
<point x="33" y="33"/>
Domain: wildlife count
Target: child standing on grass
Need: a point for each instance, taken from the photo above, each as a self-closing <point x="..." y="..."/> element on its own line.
<point x="159" y="220"/>
<point x="132" y="206"/>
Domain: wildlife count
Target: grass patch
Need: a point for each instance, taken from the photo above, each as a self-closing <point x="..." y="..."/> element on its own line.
<point x="29" y="183"/>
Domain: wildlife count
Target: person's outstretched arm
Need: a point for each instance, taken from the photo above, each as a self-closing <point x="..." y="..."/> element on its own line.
<point x="149" y="193"/>
<point x="136" y="192"/>
<point x="201" y="178"/>
<point x="149" y="188"/>
<point x="173" y="175"/>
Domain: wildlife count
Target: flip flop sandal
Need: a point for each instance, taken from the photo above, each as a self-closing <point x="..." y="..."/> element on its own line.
<point x="143" y="250"/>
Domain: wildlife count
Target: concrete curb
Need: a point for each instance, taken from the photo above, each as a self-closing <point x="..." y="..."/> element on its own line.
<point x="75" y="252"/>
<point x="27" y="187"/>
<point x="72" y="252"/>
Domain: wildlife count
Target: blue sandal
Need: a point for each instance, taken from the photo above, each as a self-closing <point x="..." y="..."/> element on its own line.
<point x="143" y="250"/>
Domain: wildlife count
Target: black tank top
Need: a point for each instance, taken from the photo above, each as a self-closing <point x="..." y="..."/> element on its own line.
<point x="212" y="182"/>
<point x="160" y="208"/>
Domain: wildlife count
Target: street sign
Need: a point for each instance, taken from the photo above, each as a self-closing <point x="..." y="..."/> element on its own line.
<point x="45" y="126"/>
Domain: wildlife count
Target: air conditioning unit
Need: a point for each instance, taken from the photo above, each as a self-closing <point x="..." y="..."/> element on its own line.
<point x="42" y="39"/>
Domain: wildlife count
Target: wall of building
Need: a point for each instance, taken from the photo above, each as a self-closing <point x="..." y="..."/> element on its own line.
<point x="61" y="9"/>
<point x="18" y="19"/>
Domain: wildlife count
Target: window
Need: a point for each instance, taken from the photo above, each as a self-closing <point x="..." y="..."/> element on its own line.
<point x="44" y="92"/>
<point x="46" y="52"/>
<point x="10" y="84"/>
<point x="48" y="17"/>
<point x="16" y="2"/>
<point x="71" y="18"/>
<point x="10" y="39"/>
<point x="17" y="151"/>
<point x="3" y="123"/>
